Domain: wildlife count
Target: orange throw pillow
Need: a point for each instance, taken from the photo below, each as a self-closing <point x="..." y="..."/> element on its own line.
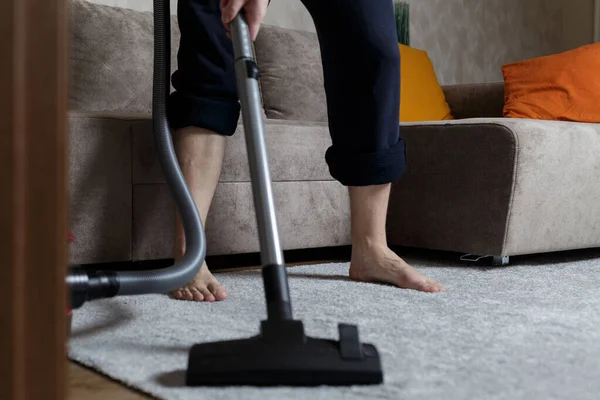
<point x="559" y="87"/>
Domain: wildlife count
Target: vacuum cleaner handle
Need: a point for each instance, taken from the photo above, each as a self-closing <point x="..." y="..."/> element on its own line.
<point x="247" y="74"/>
<point x="273" y="266"/>
<point x="85" y="285"/>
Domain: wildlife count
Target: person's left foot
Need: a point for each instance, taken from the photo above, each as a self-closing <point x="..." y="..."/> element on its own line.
<point x="379" y="264"/>
<point x="204" y="287"/>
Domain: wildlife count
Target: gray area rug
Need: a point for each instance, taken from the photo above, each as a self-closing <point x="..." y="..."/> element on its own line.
<point x="528" y="331"/>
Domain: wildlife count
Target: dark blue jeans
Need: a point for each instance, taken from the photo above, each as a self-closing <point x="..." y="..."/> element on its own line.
<point x="361" y="67"/>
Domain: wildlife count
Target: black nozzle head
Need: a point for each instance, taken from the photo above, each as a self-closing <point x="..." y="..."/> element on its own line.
<point x="283" y="356"/>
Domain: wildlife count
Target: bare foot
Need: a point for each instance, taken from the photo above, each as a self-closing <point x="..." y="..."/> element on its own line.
<point x="374" y="263"/>
<point x="204" y="287"/>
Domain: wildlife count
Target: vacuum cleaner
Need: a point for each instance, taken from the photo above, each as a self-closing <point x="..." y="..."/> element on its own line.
<point x="281" y="353"/>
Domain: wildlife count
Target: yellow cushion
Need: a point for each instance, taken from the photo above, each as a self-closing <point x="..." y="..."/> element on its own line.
<point x="421" y="96"/>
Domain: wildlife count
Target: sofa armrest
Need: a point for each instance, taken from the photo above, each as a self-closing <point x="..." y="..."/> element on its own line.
<point x="478" y="100"/>
<point x="456" y="193"/>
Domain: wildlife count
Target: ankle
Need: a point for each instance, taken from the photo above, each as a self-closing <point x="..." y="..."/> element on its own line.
<point x="368" y="243"/>
<point x="178" y="252"/>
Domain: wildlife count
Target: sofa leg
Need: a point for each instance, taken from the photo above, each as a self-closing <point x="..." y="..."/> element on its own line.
<point x="500" y="261"/>
<point x="496" y="261"/>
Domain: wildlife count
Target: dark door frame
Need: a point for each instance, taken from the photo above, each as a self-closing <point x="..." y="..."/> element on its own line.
<point x="33" y="198"/>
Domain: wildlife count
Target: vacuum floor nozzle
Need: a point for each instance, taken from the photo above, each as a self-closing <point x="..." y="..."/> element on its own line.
<point x="282" y="355"/>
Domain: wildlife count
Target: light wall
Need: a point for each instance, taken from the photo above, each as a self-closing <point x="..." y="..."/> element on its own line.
<point x="578" y="23"/>
<point x="469" y="40"/>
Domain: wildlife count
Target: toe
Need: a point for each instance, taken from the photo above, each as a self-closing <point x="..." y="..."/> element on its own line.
<point x="218" y="291"/>
<point x="197" y="295"/>
<point x="186" y="294"/>
<point x="432" y="286"/>
<point x="220" y="294"/>
<point x="208" y="296"/>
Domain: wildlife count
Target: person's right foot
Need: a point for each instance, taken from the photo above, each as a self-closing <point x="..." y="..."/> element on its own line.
<point x="379" y="264"/>
<point x="204" y="287"/>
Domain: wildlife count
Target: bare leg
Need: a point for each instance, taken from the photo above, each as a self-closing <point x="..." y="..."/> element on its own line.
<point x="372" y="260"/>
<point x="200" y="153"/>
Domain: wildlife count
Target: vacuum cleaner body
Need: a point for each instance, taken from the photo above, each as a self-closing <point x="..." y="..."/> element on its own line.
<point x="281" y="354"/>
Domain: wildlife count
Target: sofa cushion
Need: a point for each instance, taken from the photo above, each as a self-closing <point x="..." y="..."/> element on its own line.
<point x="291" y="74"/>
<point x="296" y="152"/>
<point x="111" y="58"/>
<point x="557" y="186"/>
<point x="309" y="215"/>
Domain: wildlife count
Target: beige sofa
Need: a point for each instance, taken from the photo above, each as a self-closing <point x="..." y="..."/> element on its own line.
<point x="480" y="184"/>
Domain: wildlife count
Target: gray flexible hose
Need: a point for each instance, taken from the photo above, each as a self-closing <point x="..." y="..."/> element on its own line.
<point x="184" y="270"/>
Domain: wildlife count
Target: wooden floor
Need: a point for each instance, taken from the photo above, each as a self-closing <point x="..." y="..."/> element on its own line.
<point x="86" y="384"/>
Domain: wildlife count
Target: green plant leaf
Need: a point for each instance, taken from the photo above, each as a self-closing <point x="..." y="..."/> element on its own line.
<point x="402" y="16"/>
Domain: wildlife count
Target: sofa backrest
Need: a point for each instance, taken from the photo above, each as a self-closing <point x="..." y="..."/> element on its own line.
<point x="291" y="74"/>
<point x="111" y="58"/>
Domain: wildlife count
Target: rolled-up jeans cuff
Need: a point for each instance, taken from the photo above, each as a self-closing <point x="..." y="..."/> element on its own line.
<point x="381" y="167"/>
